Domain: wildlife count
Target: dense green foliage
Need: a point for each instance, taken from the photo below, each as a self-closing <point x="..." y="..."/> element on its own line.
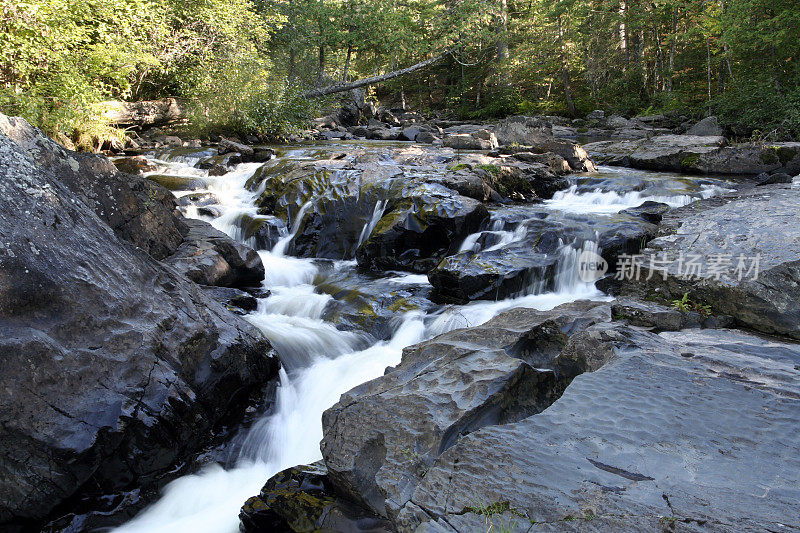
<point x="244" y="64"/>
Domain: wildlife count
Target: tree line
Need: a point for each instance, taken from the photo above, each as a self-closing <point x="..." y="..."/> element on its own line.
<point x="245" y="65"/>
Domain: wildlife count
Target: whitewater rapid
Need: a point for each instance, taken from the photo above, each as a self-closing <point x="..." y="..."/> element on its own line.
<point x="321" y="362"/>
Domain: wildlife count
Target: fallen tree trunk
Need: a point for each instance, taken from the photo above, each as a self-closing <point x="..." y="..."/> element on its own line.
<point x="145" y="113"/>
<point x="342" y="87"/>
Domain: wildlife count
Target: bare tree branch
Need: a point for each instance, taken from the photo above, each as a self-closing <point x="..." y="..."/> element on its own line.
<point x="341" y="87"/>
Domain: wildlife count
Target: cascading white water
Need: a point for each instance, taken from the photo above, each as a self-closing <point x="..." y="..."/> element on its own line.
<point x="321" y="362"/>
<point x="280" y="247"/>
<point x="598" y="201"/>
<point x="377" y="214"/>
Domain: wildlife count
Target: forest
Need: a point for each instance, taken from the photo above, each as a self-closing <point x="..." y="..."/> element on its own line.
<point x="245" y="65"/>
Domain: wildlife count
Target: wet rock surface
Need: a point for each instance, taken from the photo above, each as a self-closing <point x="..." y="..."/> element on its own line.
<point x="688" y="429"/>
<point x="383" y="436"/>
<point x="209" y="257"/>
<point x="115" y="367"/>
<point x="748" y="226"/>
<point x="301" y="499"/>
<point x="426" y="225"/>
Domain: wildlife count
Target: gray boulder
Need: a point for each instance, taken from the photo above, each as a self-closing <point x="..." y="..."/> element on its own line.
<point x="773" y="179"/>
<point x="227" y="146"/>
<point x="209" y="257"/>
<point x="708" y="127"/>
<point x="618" y="122"/>
<point x="426" y="137"/>
<point x="479" y="140"/>
<point x="525" y="131"/>
<point x="733" y="233"/>
<point x="383" y="436"/>
<point x="137" y="209"/>
<point x="115" y="367"/>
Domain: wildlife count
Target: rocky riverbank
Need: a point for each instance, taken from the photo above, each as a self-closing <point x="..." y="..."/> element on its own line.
<point x="628" y="415"/>
<point x="660" y="404"/>
<point x="117" y="368"/>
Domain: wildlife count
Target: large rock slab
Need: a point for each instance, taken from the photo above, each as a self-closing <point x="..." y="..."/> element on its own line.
<point x="137" y="209"/>
<point x="668" y="152"/>
<point x="115" y="367"/>
<point x="691" y="430"/>
<point x="383" y="436"/>
<point x="723" y="231"/>
<point x="698" y="154"/>
<point x="478" y="140"/>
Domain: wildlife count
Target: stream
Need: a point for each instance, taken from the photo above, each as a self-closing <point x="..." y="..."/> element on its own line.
<point x="323" y="359"/>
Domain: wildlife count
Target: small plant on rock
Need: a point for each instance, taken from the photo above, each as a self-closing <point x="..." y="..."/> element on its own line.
<point x="685" y="305"/>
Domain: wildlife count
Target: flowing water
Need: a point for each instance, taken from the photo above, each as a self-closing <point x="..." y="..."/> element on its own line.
<point x="321" y="361"/>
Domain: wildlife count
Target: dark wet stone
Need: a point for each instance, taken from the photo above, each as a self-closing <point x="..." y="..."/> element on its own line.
<point x="492" y="275"/>
<point x="209" y="257"/>
<point x="648" y="211"/>
<point x="133" y="165"/>
<point x="301" y="499"/>
<point x="772" y="179"/>
<point x="134" y="365"/>
<point x="235" y="300"/>
<point x="421" y="229"/>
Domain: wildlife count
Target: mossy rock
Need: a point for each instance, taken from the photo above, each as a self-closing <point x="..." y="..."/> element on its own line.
<point x="178" y="183"/>
<point x="769" y="155"/>
<point x="690" y="161"/>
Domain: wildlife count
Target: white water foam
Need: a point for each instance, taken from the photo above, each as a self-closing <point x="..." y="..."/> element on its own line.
<point x="599" y="201"/>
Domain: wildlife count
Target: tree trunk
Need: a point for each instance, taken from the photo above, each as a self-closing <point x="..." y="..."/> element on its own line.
<point x="623" y="30"/>
<point x="725" y="40"/>
<point x="321" y="71"/>
<point x="672" y="49"/>
<point x="341" y="87"/>
<point x="347" y="62"/>
<point x="502" y="44"/>
<point x="565" y="70"/>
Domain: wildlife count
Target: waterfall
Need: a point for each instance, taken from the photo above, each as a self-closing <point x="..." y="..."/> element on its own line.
<point x="377" y="214"/>
<point x="280" y="246"/>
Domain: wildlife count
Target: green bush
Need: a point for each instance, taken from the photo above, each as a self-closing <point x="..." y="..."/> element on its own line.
<point x="240" y="98"/>
<point x="757" y="109"/>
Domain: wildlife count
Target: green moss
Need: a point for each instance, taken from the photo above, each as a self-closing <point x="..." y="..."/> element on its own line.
<point x="786" y="154"/>
<point x="769" y="155"/>
<point x="402" y="305"/>
<point x="494" y="170"/>
<point x="583" y="130"/>
<point x="690" y="161"/>
<point x="460" y="166"/>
